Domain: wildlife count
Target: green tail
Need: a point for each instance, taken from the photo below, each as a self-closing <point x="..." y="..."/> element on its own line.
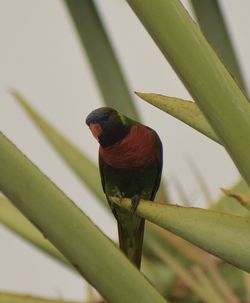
<point x="131" y="231"/>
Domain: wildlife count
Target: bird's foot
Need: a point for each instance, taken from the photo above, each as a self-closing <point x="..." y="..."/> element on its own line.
<point x="120" y="195"/>
<point x="135" y="200"/>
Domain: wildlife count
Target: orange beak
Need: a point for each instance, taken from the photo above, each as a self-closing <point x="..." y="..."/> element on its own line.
<point x="95" y="129"/>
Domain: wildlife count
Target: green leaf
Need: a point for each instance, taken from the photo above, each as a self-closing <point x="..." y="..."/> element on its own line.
<point x="101" y="56"/>
<point x="246" y="283"/>
<point x="159" y="275"/>
<point x="203" y="292"/>
<point x="228" y="205"/>
<point x="94" y="256"/>
<point x="213" y="26"/>
<point x="230" y="283"/>
<point x="199" y="257"/>
<point x="11" y="218"/>
<point x="84" y="168"/>
<point x="14" y="298"/>
<point x="188" y="252"/>
<point x="224" y="235"/>
<point x="204" y="75"/>
<point x="242" y="198"/>
<point x="184" y="110"/>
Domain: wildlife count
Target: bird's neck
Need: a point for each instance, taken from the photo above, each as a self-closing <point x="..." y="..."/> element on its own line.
<point x="136" y="150"/>
<point x="113" y="134"/>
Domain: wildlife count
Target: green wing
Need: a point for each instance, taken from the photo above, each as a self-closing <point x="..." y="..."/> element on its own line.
<point x="158" y="168"/>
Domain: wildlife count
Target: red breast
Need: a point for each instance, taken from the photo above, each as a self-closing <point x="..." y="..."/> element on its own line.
<point x="137" y="150"/>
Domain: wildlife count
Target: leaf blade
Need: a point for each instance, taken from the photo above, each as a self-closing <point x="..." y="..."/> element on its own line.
<point x="243" y="199"/>
<point x="229" y="205"/>
<point x="72" y="233"/>
<point x="184" y="110"/>
<point x="211" y="21"/>
<point x="11" y="218"/>
<point x="16" y="298"/>
<point x="204" y="75"/>
<point x="84" y="168"/>
<point x="102" y="57"/>
<point x="199" y="226"/>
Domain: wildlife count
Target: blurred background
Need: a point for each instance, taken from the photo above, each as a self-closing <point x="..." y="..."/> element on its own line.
<point x="41" y="57"/>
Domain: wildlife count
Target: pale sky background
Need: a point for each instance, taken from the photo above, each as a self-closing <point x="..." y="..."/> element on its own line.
<point x="41" y="57"/>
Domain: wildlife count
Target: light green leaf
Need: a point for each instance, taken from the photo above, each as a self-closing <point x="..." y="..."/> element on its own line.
<point x="224" y="235"/>
<point x="242" y="198"/>
<point x="102" y="58"/>
<point x="159" y="275"/>
<point x="184" y="110"/>
<point x="228" y="205"/>
<point x="16" y="222"/>
<point x="84" y="168"/>
<point x="210" y="84"/>
<point x="14" y="298"/>
<point x="180" y="247"/>
<point x="205" y="292"/>
<point x="213" y="26"/>
<point x="246" y="281"/>
<point x="93" y="255"/>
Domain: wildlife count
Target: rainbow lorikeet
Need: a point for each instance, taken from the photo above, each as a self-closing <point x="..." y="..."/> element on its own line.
<point x="130" y="163"/>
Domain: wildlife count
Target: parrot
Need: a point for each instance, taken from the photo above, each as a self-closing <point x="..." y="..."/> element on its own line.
<point x="130" y="165"/>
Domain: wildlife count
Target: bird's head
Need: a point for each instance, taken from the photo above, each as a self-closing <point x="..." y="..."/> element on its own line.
<point x="107" y="125"/>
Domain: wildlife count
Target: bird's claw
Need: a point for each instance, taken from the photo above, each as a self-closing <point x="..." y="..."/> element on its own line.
<point x="135" y="202"/>
<point x="120" y="195"/>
